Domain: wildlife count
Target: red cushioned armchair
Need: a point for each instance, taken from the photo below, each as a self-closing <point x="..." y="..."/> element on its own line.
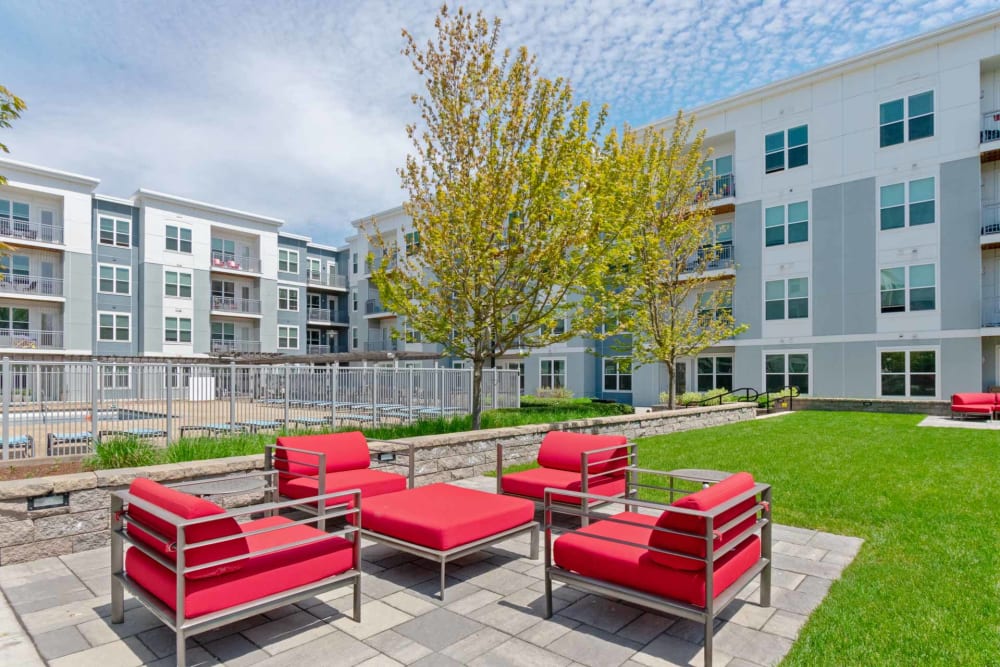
<point x="982" y="403"/>
<point x="193" y="565"/>
<point x="312" y="465"/>
<point x="689" y="558"/>
<point x="580" y="462"/>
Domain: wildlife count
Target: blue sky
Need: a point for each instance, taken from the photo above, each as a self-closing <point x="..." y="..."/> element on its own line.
<point x="296" y="109"/>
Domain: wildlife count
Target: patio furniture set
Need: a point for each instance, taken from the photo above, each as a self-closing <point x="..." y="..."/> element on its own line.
<point x="198" y="566"/>
<point x="979" y="403"/>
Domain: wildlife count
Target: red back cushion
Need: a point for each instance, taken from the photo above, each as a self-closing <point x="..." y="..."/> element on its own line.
<point x="186" y="506"/>
<point x="701" y="501"/>
<point x="561" y="450"/>
<point x="344" y="451"/>
<point x="973" y="399"/>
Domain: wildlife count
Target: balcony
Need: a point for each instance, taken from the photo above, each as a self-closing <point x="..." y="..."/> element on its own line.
<point x="224" y="261"/>
<point x="374" y="307"/>
<point x="30" y="285"/>
<point x="989" y="232"/>
<point x="235" y="306"/>
<point x="326" y="280"/>
<point x="31" y="339"/>
<point x="382" y="346"/>
<point x="235" y="346"/>
<point x="989" y="129"/>
<point x="325" y="316"/>
<point x="718" y="187"/>
<point x="21" y="229"/>
<point x="376" y="262"/>
<point x="720" y="257"/>
<point x="313" y="348"/>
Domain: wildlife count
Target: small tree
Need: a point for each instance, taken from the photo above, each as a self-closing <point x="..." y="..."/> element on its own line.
<point x="506" y="195"/>
<point x="667" y="301"/>
<point x="11" y="107"/>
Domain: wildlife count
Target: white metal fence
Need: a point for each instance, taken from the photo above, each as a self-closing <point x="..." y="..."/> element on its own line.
<point x="58" y="408"/>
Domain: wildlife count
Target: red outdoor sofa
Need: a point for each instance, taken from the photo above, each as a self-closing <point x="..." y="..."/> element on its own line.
<point x="689" y="558"/>
<point x="981" y="403"/>
<point x="195" y="567"/>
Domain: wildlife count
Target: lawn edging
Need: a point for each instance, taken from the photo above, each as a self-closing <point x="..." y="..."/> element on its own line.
<point x="83" y="523"/>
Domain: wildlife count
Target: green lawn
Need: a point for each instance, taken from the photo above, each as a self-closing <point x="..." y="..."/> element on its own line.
<point x="924" y="589"/>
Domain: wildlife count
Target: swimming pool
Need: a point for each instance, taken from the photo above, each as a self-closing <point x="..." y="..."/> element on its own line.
<point x="70" y="416"/>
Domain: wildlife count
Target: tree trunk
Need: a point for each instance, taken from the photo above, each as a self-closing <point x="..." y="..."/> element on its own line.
<point x="672" y="389"/>
<point x="477" y="393"/>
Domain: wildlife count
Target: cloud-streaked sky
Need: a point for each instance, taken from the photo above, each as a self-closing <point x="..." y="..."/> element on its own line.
<point x="296" y="109"/>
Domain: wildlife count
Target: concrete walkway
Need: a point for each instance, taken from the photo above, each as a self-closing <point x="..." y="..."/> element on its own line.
<point x="975" y="422"/>
<point x="493" y="616"/>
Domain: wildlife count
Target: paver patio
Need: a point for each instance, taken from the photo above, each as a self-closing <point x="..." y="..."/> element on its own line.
<point x="492" y="616"/>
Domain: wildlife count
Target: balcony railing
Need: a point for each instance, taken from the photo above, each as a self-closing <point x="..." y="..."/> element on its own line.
<point x="990" y="128"/>
<point x="718" y="187"/>
<point x="31" y="339"/>
<point x="382" y="346"/>
<point x="376" y="262"/>
<point x="230" y="304"/>
<point x="230" y="262"/>
<point x="31" y="285"/>
<point x="319" y="314"/>
<point x="317" y="349"/>
<point x="325" y="279"/>
<point x="235" y="346"/>
<point x="991" y="219"/>
<point x="16" y="228"/>
<point x="719" y="257"/>
<point x="374" y="307"/>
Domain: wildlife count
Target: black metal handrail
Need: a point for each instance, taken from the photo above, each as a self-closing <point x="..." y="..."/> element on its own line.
<point x="746" y="391"/>
<point x="791" y="389"/>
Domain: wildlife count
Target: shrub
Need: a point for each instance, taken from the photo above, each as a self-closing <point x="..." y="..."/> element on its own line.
<point x="774" y="396"/>
<point x="124" y="452"/>
<point x="556" y="392"/>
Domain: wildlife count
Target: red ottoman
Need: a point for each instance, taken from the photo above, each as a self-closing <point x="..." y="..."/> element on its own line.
<point x="443" y="522"/>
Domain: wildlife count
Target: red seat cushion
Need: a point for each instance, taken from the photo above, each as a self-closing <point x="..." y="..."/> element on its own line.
<point x="371" y="482"/>
<point x="344" y="451"/>
<point x="701" y="501"/>
<point x="561" y="450"/>
<point x="185" y="506"/>
<point x="442" y="516"/>
<point x="631" y="566"/>
<point x="982" y="409"/>
<point x="532" y="483"/>
<point x="260" y="576"/>
<point x="977" y="398"/>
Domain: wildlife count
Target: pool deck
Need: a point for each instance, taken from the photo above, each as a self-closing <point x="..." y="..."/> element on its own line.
<point x="492" y="616"/>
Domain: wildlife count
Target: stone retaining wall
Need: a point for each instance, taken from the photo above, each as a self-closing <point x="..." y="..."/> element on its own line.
<point x="83" y="524"/>
<point x="930" y="407"/>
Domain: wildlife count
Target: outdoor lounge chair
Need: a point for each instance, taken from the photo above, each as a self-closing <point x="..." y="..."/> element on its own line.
<point x="690" y="558"/>
<point x="574" y="462"/>
<point x="66" y="444"/>
<point x="195" y="568"/>
<point x="19" y="447"/>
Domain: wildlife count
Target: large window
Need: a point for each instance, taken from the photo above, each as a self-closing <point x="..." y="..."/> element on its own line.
<point x="115" y="377"/>
<point x="908" y="373"/>
<point x="354" y="338"/>
<point x="552" y="373"/>
<point x="786" y="149"/>
<point x="908" y="118"/>
<point x="288" y="338"/>
<point x="902" y="204"/>
<point x="14" y="319"/>
<point x="714" y="305"/>
<point x="179" y="239"/>
<point x="19" y="211"/>
<point x="114" y="231"/>
<point x="115" y="327"/>
<point x="113" y="279"/>
<point x="618" y="374"/>
<point x="786" y="224"/>
<point x="15" y="265"/>
<point x="787" y="369"/>
<point x="908" y="288"/>
<point x="315" y="268"/>
<point x="715" y="373"/>
<point x="354" y="300"/>
<point x="288" y="298"/>
<point x="412" y="242"/>
<point x="177" y="329"/>
<point x="288" y="261"/>
<point x="224" y="331"/>
<point x="786" y="299"/>
<point x="178" y="284"/>
<point x="717" y="175"/>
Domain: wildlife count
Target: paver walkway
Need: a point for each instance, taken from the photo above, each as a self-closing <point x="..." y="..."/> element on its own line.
<point x="493" y="616"/>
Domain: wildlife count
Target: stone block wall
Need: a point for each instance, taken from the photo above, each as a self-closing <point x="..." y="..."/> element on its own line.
<point x="930" y="407"/>
<point x="84" y="523"/>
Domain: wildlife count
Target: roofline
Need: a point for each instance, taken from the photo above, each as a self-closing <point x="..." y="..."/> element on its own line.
<point x="173" y="199"/>
<point x="323" y="246"/>
<point x="950" y="32"/>
<point x="113" y="199"/>
<point x="52" y="173"/>
<point x="388" y="211"/>
<point x="297" y="237"/>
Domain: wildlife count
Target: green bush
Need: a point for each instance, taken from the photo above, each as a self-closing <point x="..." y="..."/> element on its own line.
<point x="774" y="396"/>
<point x="123" y="452"/>
<point x="558" y="392"/>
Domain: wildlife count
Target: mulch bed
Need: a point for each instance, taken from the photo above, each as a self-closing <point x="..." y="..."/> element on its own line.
<point x="10" y="471"/>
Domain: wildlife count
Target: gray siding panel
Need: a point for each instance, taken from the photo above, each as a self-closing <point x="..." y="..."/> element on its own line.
<point x="959" y="295"/>
<point x="747" y="367"/>
<point x="152" y="305"/>
<point x="79" y="325"/>
<point x="747" y="289"/>
<point x="860" y="369"/>
<point x="859" y="294"/>
<point x="269" y="317"/>
<point x="201" y="292"/>
<point x="828" y="260"/>
<point x="961" y="366"/>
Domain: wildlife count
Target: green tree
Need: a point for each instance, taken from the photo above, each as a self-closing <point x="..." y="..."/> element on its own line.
<point x="506" y="190"/>
<point x="664" y="294"/>
<point x="11" y="107"/>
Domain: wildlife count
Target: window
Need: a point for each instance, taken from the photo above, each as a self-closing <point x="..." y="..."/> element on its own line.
<point x="715" y="373"/>
<point x="354" y="300"/>
<point x="893" y="115"/>
<point x="908" y="373"/>
<point x="113" y="327"/>
<point x="179" y="239"/>
<point x="115" y="377"/>
<point x="288" y="298"/>
<point x="224" y="250"/>
<point x="412" y="242"/>
<point x="717" y="177"/>
<point x="16" y="210"/>
<point x="224" y="331"/>
<point x="15" y="265"/>
<point x="315" y="268"/>
<point x="895" y="211"/>
<point x="114" y="231"/>
<point x="178" y="283"/>
<point x="179" y="376"/>
<point x="618" y="374"/>
<point x="288" y="261"/>
<point x="354" y="338"/>
<point x="177" y="329"/>
<point x="288" y="338"/>
<point x="552" y="373"/>
<point x="789" y="149"/>
<point x="354" y="262"/>
<point x="715" y="305"/>
<point x="113" y="279"/>
<point x="14" y="319"/>
<point x="786" y="224"/>
<point x="519" y="367"/>
<point x="787" y="370"/>
<point x="918" y="280"/>
<point x="793" y="293"/>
